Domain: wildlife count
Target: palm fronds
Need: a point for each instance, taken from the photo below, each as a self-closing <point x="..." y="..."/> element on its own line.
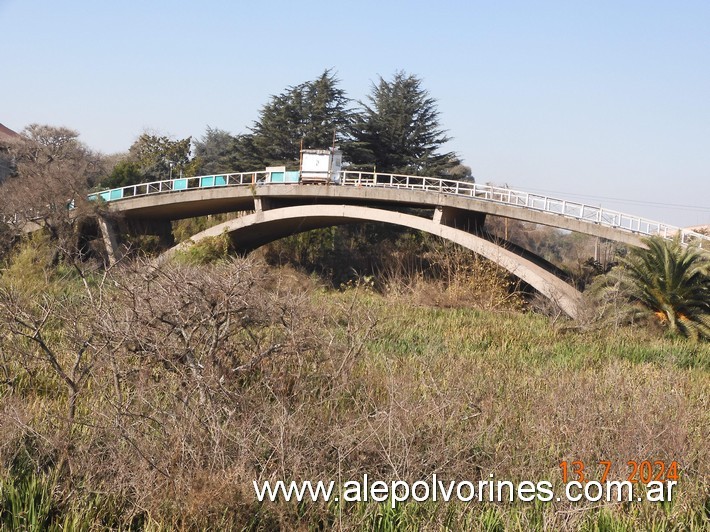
<point x="669" y="282"/>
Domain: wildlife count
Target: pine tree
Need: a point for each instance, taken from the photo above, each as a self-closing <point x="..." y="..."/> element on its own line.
<point x="399" y="130"/>
<point x="311" y="112"/>
<point x="214" y="152"/>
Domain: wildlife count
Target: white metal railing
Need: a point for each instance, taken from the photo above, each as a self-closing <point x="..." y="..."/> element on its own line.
<point x="488" y="193"/>
<point x="180" y="184"/>
<point x="507" y="196"/>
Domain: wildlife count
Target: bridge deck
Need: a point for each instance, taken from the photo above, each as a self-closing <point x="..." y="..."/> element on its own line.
<point x="617" y="221"/>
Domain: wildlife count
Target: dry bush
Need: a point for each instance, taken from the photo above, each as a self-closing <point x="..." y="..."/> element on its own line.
<point x="171" y="383"/>
<point x="187" y="342"/>
<point x="451" y="276"/>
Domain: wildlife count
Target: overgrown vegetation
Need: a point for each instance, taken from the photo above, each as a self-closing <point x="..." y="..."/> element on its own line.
<point x="399" y="262"/>
<point x="152" y="397"/>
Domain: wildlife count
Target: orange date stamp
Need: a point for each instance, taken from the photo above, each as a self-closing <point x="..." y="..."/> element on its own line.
<point x="643" y="472"/>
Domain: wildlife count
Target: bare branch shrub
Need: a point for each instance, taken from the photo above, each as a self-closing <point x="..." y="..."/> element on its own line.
<point x="190" y="369"/>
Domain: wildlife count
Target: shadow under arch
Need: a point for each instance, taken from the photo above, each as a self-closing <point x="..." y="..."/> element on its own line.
<point x="254" y="230"/>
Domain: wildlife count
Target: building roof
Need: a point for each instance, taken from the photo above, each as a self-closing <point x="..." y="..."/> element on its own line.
<point x="7" y="133"/>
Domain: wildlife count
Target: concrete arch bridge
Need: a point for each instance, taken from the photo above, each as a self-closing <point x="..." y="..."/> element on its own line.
<point x="454" y="210"/>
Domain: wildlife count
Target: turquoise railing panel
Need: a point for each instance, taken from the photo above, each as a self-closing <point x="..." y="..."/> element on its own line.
<point x="207" y="181"/>
<point x="180" y="184"/>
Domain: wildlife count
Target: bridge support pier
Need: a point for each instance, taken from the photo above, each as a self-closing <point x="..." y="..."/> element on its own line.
<point x="110" y="237"/>
<point x="469" y="221"/>
<point x="262" y="204"/>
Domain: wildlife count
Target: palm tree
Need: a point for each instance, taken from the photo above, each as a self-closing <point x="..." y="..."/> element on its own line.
<point x="671" y="282"/>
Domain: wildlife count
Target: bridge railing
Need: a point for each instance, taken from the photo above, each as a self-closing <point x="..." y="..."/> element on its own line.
<point x="503" y="195"/>
<point x="179" y="184"/>
<point x="569" y="209"/>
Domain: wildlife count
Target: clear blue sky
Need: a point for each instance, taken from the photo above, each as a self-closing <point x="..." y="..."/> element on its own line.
<point x="595" y="101"/>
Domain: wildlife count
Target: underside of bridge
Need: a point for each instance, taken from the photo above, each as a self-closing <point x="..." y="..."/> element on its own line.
<point x="267" y="225"/>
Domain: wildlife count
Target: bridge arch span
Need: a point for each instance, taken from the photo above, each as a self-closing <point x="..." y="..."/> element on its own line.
<point x="254" y="230"/>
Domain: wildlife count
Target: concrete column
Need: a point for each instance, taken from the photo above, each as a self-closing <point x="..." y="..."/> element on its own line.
<point x="108" y="232"/>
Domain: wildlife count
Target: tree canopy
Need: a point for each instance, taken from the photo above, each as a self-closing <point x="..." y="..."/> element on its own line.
<point x="215" y="152"/>
<point x="54" y="169"/>
<point x="312" y="112"/>
<point x="152" y="158"/>
<point x="398" y="129"/>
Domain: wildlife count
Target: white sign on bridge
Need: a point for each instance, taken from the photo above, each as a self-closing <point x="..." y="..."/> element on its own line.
<point x="321" y="166"/>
